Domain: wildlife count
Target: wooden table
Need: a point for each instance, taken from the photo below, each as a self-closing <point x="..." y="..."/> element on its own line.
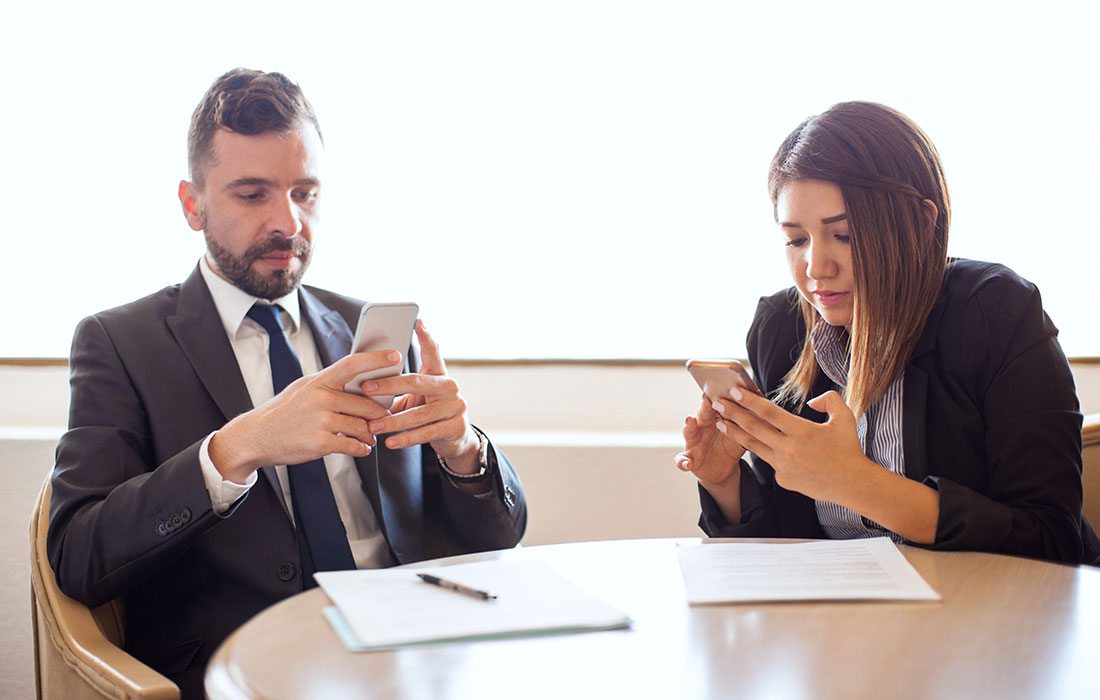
<point x="1006" y="628"/>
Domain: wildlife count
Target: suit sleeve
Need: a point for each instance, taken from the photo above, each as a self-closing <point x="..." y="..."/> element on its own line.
<point x="1032" y="504"/>
<point x="496" y="520"/>
<point x="116" y="517"/>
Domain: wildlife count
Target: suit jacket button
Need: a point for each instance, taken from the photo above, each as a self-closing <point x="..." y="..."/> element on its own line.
<point x="185" y="516"/>
<point x="162" y="529"/>
<point x="286" y="571"/>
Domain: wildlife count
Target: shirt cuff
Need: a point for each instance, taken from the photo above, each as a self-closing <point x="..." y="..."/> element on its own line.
<point x="223" y="493"/>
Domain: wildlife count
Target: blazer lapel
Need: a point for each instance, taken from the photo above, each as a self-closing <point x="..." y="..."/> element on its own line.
<point x="914" y="399"/>
<point x="330" y="330"/>
<point x="914" y="446"/>
<point x="333" y="337"/>
<point x="201" y="336"/>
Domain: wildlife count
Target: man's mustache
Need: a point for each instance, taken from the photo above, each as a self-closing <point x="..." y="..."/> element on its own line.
<point x="298" y="246"/>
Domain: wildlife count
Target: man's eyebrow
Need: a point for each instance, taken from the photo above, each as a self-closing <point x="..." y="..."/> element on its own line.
<point x="264" y="182"/>
<point x="827" y="220"/>
<point x="249" y="182"/>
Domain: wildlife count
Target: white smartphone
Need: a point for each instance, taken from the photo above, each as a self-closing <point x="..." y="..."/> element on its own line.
<point x="717" y="377"/>
<point x="382" y="327"/>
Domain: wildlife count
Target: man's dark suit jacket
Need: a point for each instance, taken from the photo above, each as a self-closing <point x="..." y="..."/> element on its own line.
<point x="131" y="515"/>
<point x="990" y="420"/>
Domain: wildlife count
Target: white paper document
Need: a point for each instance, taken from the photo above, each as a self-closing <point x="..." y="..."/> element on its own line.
<point x="870" y="569"/>
<point x="387" y="608"/>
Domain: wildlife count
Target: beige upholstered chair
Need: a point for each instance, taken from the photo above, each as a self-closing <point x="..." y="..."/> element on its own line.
<point x="77" y="651"/>
<point x="1090" y="440"/>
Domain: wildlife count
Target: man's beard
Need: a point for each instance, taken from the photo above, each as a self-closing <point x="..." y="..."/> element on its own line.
<point x="238" y="270"/>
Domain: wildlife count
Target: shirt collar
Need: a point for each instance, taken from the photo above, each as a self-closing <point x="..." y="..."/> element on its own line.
<point x="233" y="303"/>
<point x="830" y="346"/>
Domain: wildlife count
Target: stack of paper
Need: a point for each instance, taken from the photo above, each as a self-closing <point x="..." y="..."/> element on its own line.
<point x="870" y="569"/>
<point x="383" y="609"/>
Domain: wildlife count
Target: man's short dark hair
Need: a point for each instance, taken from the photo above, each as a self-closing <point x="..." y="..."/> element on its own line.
<point x="248" y="102"/>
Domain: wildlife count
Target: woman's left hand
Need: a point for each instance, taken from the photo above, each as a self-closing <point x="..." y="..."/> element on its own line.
<point x="821" y="460"/>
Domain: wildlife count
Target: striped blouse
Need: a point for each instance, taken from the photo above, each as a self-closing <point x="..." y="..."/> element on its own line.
<point x="879" y="432"/>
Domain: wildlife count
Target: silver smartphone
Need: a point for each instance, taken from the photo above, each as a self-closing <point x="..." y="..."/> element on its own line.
<point x="382" y="327"/>
<point x="717" y="377"/>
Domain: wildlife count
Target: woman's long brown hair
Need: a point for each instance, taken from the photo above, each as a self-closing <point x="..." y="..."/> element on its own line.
<point x="888" y="171"/>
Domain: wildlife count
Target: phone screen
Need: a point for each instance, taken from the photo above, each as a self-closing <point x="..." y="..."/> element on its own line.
<point x="382" y="327"/>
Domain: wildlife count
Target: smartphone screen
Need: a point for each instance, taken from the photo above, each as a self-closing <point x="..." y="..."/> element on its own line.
<point x="382" y="327"/>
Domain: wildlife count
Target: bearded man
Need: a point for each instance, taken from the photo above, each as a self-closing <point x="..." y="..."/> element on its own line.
<point x="213" y="460"/>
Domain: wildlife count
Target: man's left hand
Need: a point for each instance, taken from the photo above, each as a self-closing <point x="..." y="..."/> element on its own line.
<point x="428" y="409"/>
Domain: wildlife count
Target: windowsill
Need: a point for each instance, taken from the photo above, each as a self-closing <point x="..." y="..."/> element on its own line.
<point x="572" y="438"/>
<point x="30" y="432"/>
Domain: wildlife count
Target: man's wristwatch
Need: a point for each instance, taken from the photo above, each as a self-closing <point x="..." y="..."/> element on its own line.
<point x="482" y="458"/>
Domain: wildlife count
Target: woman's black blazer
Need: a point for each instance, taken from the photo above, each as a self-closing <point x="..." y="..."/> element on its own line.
<point x="990" y="420"/>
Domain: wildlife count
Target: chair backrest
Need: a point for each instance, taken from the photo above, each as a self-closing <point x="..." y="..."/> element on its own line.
<point x="1090" y="441"/>
<point x="77" y="652"/>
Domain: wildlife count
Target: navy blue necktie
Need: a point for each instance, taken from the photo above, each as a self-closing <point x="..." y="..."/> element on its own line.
<point x="314" y="505"/>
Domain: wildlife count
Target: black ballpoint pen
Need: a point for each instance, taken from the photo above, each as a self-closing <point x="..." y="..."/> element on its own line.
<point x="456" y="587"/>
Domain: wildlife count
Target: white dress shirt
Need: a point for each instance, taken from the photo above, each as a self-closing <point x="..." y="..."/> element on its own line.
<point x="250" y="345"/>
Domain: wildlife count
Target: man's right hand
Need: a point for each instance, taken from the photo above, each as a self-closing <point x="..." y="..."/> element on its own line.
<point x="311" y="418"/>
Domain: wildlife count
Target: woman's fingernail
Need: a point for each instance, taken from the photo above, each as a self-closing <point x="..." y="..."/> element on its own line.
<point x="717" y="406"/>
<point x="368" y="387"/>
<point x="393" y="356"/>
<point x="376" y="426"/>
<point x="721" y="427"/>
<point x="735" y="393"/>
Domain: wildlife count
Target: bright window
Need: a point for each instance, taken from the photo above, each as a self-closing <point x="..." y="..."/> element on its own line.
<point x="578" y="178"/>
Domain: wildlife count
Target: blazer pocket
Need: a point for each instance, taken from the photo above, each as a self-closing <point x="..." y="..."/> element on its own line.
<point x="175" y="659"/>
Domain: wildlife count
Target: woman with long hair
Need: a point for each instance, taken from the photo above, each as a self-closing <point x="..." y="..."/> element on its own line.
<point x="906" y="394"/>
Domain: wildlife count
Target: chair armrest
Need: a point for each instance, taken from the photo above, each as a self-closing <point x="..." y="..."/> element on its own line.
<point x="70" y="631"/>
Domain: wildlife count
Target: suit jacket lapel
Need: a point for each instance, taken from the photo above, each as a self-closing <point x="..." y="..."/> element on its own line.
<point x="333" y="338"/>
<point x="201" y="336"/>
<point x="915" y="399"/>
<point x="330" y="330"/>
<point x="914" y="403"/>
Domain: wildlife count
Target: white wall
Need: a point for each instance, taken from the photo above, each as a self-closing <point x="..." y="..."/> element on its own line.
<point x="25" y="463"/>
<point x="605" y="159"/>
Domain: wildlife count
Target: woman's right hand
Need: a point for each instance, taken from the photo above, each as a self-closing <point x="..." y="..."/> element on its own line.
<point x="709" y="453"/>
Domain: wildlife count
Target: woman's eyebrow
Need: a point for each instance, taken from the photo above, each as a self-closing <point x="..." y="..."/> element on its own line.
<point x="827" y="220"/>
